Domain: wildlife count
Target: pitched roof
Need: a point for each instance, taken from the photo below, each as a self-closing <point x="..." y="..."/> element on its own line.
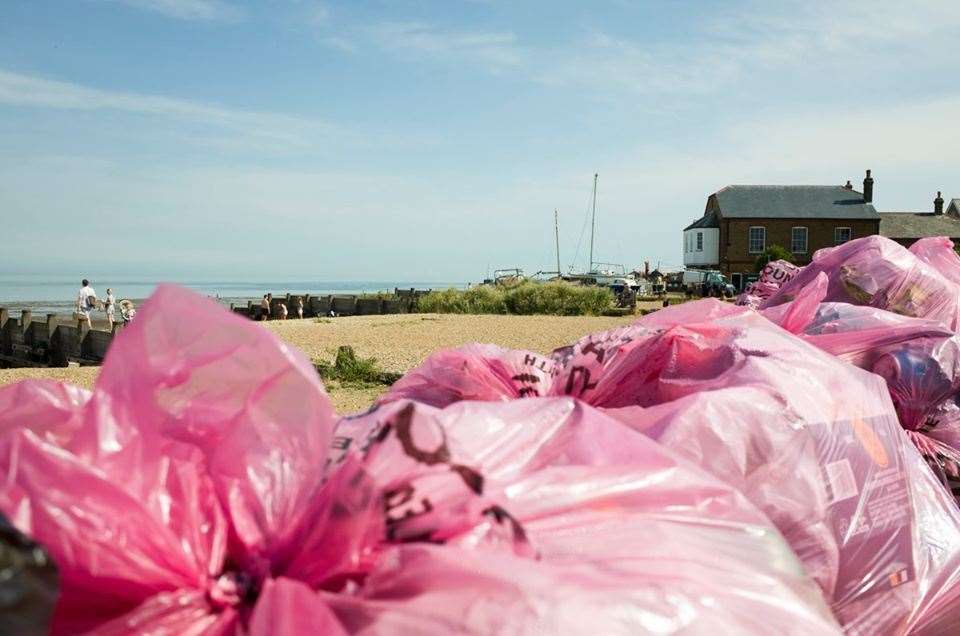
<point x="707" y="220"/>
<point x="955" y="204"/>
<point x="912" y="225"/>
<point x="793" y="202"/>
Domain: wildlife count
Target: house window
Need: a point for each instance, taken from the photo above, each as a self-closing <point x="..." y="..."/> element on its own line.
<point x="841" y="235"/>
<point x="699" y="241"/>
<point x="757" y="239"/>
<point x="798" y="240"/>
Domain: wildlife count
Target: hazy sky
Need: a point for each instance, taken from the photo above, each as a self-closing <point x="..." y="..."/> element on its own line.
<point x="424" y="140"/>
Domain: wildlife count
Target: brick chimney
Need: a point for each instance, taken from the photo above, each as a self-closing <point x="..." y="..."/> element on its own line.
<point x="868" y="188"/>
<point x="938" y="204"/>
<point x="848" y="186"/>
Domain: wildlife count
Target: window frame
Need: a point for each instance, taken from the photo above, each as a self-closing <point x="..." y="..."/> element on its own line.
<point x="699" y="241"/>
<point x="836" y="235"/>
<point x="806" y="239"/>
<point x="763" y="245"/>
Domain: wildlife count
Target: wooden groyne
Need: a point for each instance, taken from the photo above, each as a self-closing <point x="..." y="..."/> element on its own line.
<point x="53" y="342"/>
<point x="60" y="342"/>
<point x="401" y="301"/>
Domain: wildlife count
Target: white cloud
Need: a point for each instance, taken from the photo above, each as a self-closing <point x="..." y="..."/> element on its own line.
<point x="491" y="49"/>
<point x="716" y="53"/>
<point x="188" y="9"/>
<point x="26" y="90"/>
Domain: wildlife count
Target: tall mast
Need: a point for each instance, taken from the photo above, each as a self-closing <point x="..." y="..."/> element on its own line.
<point x="593" y="219"/>
<point x="556" y="236"/>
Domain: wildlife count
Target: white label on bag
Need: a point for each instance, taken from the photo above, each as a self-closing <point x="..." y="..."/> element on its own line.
<point x="842" y="484"/>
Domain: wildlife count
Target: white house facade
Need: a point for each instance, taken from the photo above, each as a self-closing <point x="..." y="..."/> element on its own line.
<point x="701" y="246"/>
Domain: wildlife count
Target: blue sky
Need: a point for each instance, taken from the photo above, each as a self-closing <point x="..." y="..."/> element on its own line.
<point x="421" y="140"/>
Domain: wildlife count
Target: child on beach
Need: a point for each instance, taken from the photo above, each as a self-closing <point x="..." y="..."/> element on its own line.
<point x="109" y="306"/>
<point x="283" y="311"/>
<point x="300" y="307"/>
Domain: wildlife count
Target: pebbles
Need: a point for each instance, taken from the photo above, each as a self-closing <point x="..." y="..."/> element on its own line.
<point x="398" y="342"/>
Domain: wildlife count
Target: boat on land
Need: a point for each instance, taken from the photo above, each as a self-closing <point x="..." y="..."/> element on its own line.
<point x="598" y="272"/>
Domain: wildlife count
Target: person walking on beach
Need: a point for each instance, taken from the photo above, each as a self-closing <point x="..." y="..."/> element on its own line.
<point x="300" y="307"/>
<point x="86" y="301"/>
<point x="110" y="307"/>
<point x="283" y="311"/>
<point x="265" y="307"/>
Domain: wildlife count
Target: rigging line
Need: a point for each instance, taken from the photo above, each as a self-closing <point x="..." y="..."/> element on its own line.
<point x="583" y="231"/>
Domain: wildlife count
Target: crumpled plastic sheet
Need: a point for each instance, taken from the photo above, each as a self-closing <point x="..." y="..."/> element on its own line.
<point x="204" y="486"/>
<point x="877" y="272"/>
<point x="813" y="442"/>
<point x="773" y="276"/>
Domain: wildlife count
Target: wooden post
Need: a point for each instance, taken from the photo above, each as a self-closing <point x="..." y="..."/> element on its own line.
<point x="51" y="325"/>
<point x="83" y="327"/>
<point x="26" y="317"/>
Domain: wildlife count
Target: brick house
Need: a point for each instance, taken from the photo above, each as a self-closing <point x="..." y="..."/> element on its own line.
<point x="906" y="228"/>
<point x="741" y="221"/>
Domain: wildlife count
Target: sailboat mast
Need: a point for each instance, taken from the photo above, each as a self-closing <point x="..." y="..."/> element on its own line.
<point x="556" y="236"/>
<point x="593" y="219"/>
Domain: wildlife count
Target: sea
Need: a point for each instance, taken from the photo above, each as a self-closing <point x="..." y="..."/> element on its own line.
<point x="57" y="295"/>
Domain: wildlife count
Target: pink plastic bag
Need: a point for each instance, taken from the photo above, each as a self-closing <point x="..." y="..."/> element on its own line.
<point x="813" y="442"/>
<point x="939" y="253"/>
<point x="773" y="276"/>
<point x="203" y="488"/>
<point x="877" y="272"/>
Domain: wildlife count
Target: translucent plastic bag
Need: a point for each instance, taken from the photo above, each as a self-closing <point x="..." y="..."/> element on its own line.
<point x="815" y="443"/>
<point x="773" y="276"/>
<point x="204" y="487"/>
<point x="877" y="272"/>
<point x="939" y="253"/>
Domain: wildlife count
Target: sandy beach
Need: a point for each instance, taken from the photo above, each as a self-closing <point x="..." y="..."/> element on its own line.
<point x="398" y="342"/>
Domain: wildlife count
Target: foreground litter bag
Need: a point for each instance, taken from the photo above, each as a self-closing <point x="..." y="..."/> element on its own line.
<point x="205" y="487"/>
<point x="813" y="442"/>
<point x="773" y="276"/>
<point x="877" y="272"/>
<point x="920" y="362"/>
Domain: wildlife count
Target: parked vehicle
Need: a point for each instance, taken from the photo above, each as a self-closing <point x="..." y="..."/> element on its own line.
<point x="705" y="282"/>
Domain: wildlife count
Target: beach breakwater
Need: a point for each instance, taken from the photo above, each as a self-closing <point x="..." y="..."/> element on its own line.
<point x="58" y="341"/>
<point x="53" y="342"/>
<point x="402" y="301"/>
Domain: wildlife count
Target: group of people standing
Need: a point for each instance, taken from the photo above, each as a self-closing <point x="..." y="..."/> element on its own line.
<point x="268" y="308"/>
<point x="87" y="303"/>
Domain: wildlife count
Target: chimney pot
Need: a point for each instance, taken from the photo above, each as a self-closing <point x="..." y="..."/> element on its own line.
<point x="938" y="204"/>
<point x="848" y="186"/>
<point x="868" y="188"/>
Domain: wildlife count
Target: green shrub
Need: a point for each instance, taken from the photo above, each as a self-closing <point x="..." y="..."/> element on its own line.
<point x="482" y="299"/>
<point x="528" y="298"/>
<point x="348" y="369"/>
<point x="772" y="253"/>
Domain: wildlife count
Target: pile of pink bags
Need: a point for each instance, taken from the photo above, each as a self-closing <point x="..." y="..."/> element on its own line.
<point x="710" y="468"/>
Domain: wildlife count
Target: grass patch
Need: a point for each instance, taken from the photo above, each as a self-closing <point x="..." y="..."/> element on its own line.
<point x="351" y="371"/>
<point x="528" y="298"/>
